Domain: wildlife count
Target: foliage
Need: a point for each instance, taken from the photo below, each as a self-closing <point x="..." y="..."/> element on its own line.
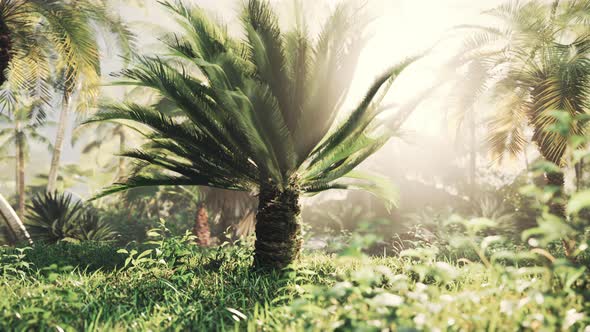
<point x="262" y="110"/>
<point x="176" y="285"/>
<point x="59" y="217"/>
<point x="54" y="38"/>
<point x="23" y="127"/>
<point x="535" y="61"/>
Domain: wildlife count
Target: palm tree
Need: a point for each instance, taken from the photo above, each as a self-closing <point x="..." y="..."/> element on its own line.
<point x="59" y="216"/>
<point x="43" y="38"/>
<point x="538" y="64"/>
<point x="258" y="116"/>
<point x="542" y="79"/>
<point x="19" y="130"/>
<point x="81" y="76"/>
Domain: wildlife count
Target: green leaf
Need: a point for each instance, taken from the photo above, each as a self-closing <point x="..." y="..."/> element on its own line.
<point x="578" y="201"/>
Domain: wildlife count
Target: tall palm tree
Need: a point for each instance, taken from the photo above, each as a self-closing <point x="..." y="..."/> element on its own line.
<point x="19" y="130"/>
<point x="33" y="31"/>
<point x="43" y="38"/>
<point x="80" y="77"/>
<point x="258" y="116"/>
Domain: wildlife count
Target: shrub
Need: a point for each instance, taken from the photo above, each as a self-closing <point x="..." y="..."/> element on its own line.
<point x="56" y="217"/>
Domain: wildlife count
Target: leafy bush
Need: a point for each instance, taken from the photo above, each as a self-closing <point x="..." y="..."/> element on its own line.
<point x="56" y="217"/>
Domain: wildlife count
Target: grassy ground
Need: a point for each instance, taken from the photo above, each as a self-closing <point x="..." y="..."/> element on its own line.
<point x="175" y="286"/>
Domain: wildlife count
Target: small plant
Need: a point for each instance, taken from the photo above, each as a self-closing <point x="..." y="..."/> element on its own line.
<point x="13" y="264"/>
<point x="58" y="217"/>
<point x="162" y="250"/>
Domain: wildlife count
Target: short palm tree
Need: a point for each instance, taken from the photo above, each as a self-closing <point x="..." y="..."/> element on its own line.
<point x="258" y="115"/>
<point x="54" y="217"/>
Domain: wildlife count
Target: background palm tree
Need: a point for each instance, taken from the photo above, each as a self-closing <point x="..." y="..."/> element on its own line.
<point x="536" y="63"/>
<point x="258" y="116"/>
<point x="40" y="39"/>
<point x="18" y="130"/>
<point x="539" y="59"/>
<point x="80" y="74"/>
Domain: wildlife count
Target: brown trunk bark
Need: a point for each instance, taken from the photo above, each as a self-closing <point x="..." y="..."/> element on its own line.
<point x="5" y="51"/>
<point x="21" y="182"/>
<point x="201" y="228"/>
<point x="556" y="206"/>
<point x="278" y="228"/>
<point x="579" y="169"/>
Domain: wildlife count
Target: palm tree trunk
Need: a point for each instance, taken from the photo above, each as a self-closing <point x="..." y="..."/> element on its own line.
<point x="58" y="146"/>
<point x="554" y="9"/>
<point x="5" y="51"/>
<point x="20" y="174"/>
<point x="579" y="169"/>
<point x="557" y="208"/>
<point x="278" y="228"/>
<point x="201" y="228"/>
<point x="472" y="155"/>
<point x="121" y="167"/>
<point x="15" y="225"/>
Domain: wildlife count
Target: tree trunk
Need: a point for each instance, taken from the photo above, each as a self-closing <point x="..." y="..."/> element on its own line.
<point x="579" y="169"/>
<point x="201" y="228"/>
<point x="58" y="146"/>
<point x="556" y="206"/>
<point x="15" y="225"/>
<point x="278" y="228"/>
<point x="121" y="166"/>
<point x="20" y="175"/>
<point x="472" y="155"/>
<point x="5" y="51"/>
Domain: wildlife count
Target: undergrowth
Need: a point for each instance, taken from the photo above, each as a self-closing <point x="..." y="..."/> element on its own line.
<point x="169" y="283"/>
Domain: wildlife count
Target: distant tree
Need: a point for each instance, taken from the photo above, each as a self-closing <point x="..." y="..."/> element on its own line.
<point x="259" y="116"/>
<point x="537" y="64"/>
<point x="18" y="130"/>
<point x="539" y="61"/>
<point x="80" y="76"/>
<point x="55" y="42"/>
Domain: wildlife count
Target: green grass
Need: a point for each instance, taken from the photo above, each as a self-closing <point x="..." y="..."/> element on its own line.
<point x="177" y="286"/>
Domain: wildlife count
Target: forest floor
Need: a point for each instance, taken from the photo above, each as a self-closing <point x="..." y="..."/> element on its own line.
<point x="174" y="285"/>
